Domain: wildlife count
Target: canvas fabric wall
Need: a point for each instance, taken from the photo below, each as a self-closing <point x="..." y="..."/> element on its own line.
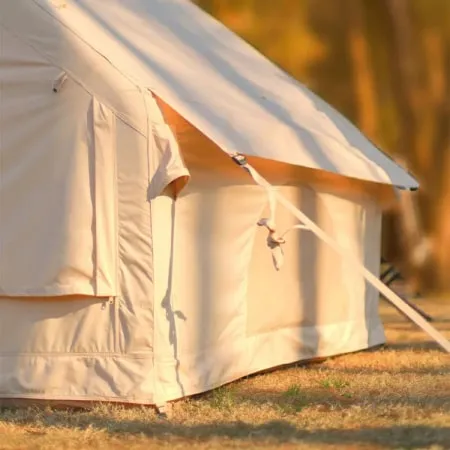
<point x="228" y="312"/>
<point x="76" y="257"/>
<point x="222" y="311"/>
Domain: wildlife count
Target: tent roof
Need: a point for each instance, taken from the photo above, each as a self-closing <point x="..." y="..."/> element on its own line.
<point x="219" y="83"/>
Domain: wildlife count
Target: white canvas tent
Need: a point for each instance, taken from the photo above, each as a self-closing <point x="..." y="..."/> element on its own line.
<point x="118" y="281"/>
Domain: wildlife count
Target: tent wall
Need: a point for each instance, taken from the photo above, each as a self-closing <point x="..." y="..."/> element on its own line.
<point x="226" y="312"/>
<point x="76" y="257"/>
<point x="89" y="347"/>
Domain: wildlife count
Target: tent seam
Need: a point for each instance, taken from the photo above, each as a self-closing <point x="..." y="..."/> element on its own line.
<point x="125" y="75"/>
<point x="150" y="148"/>
<point x="117" y="233"/>
<point x="76" y="355"/>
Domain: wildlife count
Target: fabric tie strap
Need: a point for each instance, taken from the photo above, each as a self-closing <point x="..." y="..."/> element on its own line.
<point x="274" y="240"/>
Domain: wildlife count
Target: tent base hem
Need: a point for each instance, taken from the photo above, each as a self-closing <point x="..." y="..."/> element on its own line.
<point x="265" y="352"/>
<point x="99" y="374"/>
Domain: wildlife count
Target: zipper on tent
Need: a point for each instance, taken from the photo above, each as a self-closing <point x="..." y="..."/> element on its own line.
<point x="116" y="299"/>
<point x="115" y="305"/>
<point x="59" y="82"/>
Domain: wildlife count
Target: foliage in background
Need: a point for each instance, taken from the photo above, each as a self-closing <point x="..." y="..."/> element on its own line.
<point x="384" y="64"/>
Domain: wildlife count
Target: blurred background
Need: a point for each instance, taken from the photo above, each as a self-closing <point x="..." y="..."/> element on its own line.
<point x="385" y="64"/>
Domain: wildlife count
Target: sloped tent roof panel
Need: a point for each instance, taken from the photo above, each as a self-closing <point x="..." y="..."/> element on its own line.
<point x="223" y="86"/>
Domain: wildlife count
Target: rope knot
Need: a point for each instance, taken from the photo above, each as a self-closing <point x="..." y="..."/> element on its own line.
<point x="275" y="240"/>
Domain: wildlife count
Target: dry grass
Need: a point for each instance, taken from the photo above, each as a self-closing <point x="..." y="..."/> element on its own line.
<point x="394" y="398"/>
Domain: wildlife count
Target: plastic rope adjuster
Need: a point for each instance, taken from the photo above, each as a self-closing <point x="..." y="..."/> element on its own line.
<point x="239" y="159"/>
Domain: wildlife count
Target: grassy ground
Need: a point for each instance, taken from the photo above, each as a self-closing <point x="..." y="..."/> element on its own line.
<point x="393" y="398"/>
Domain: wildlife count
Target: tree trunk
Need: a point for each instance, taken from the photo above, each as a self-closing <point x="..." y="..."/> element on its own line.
<point x="363" y="73"/>
<point x="407" y="88"/>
